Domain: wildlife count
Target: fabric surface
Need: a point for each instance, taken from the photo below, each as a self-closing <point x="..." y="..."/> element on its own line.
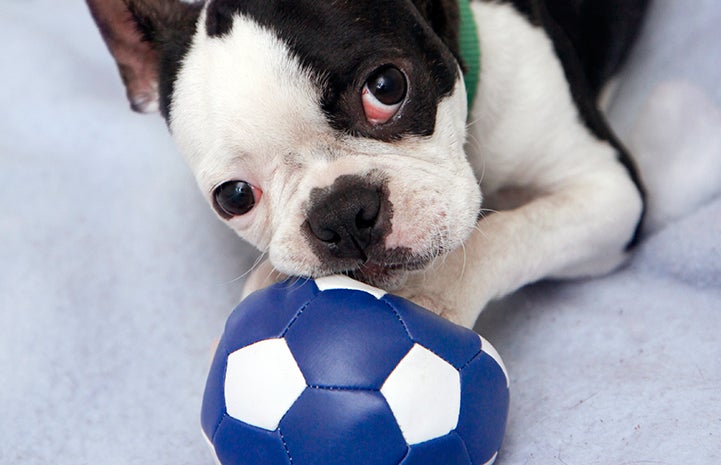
<point x="115" y="277"/>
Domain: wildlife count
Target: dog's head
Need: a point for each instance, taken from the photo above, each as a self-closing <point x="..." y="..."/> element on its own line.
<point x="328" y="133"/>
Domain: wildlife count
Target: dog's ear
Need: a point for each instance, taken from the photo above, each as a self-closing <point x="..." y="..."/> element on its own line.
<point x="444" y="17"/>
<point x="140" y="34"/>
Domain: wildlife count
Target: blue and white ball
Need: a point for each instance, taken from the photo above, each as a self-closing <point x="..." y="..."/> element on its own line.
<point x="332" y="371"/>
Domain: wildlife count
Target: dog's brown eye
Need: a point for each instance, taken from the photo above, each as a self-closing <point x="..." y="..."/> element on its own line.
<point x="234" y="198"/>
<point x="383" y="94"/>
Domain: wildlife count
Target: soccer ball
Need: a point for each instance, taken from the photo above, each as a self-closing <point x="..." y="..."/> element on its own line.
<point x="334" y="372"/>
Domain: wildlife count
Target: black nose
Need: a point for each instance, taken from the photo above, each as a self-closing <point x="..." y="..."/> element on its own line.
<point x="344" y="220"/>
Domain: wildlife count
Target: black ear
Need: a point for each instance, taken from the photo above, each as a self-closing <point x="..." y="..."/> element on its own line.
<point x="444" y="17"/>
<point x="147" y="38"/>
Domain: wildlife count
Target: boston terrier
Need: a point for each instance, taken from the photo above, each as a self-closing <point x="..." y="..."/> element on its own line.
<point x="446" y="150"/>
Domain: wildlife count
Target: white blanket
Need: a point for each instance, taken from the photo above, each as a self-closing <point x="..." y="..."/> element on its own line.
<point x="115" y="278"/>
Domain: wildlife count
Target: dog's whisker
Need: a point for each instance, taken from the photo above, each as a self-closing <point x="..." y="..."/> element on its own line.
<point x="252" y="268"/>
<point x="465" y="257"/>
<point x="473" y="141"/>
<point x="269" y="274"/>
<point x="486" y="211"/>
<point x="297" y="282"/>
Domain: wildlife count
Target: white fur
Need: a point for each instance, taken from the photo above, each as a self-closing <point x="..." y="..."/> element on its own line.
<point x="527" y="133"/>
<point x="243" y="104"/>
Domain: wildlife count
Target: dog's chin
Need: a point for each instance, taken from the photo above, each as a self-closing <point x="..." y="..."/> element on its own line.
<point x="380" y="276"/>
<point x="387" y="276"/>
<point x="388" y="270"/>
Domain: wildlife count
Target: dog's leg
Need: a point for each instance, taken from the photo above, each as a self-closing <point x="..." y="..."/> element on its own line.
<point x="527" y="133"/>
<point x="578" y="229"/>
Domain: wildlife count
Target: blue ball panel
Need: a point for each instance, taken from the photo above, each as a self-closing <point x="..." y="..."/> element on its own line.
<point x="347" y="339"/>
<point x="446" y="450"/>
<point x="266" y="313"/>
<point x="327" y="427"/>
<point x="455" y="344"/>
<point x="484" y="408"/>
<point x="237" y="443"/>
<point x="213" y="408"/>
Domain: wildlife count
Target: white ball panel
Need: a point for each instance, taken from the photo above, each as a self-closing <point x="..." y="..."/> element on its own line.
<point x="492" y="459"/>
<point x="493" y="353"/>
<point x="344" y="282"/>
<point x="212" y="449"/>
<point x="424" y="393"/>
<point x="262" y="381"/>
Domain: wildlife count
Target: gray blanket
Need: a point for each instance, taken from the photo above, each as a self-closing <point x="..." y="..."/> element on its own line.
<point x="115" y="278"/>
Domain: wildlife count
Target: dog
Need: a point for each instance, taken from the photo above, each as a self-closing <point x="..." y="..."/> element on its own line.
<point x="352" y="136"/>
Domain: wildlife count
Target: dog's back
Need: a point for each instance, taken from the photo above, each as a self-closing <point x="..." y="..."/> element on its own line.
<point x="592" y="37"/>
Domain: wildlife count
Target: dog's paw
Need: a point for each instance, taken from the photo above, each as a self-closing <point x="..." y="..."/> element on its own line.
<point x="452" y="287"/>
<point x="440" y="303"/>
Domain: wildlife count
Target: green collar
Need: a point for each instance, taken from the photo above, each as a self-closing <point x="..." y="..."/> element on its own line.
<point x="470" y="50"/>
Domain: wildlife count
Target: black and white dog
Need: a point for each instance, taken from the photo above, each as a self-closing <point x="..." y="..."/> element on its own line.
<point x="336" y="135"/>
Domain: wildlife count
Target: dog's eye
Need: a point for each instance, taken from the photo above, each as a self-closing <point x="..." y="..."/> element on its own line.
<point x="383" y="94"/>
<point x="235" y="198"/>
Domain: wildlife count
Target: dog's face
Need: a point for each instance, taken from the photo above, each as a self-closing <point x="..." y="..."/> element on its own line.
<point x="328" y="134"/>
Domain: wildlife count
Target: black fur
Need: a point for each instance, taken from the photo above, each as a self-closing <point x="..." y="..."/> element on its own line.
<point x="443" y="16"/>
<point x="343" y="42"/>
<point x="169" y="27"/>
<point x="600" y="32"/>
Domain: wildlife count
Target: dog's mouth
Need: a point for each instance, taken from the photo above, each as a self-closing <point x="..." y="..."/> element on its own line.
<point x="387" y="276"/>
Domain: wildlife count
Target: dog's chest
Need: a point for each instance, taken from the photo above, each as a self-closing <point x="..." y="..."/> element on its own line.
<point x="524" y="117"/>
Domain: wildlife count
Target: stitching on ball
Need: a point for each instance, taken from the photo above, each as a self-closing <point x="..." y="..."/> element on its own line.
<point x="297" y="316"/>
<point x="285" y="446"/>
<point x="408" y="333"/>
<point x="400" y="319"/>
<point x="342" y="388"/>
<point x="480" y="351"/>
